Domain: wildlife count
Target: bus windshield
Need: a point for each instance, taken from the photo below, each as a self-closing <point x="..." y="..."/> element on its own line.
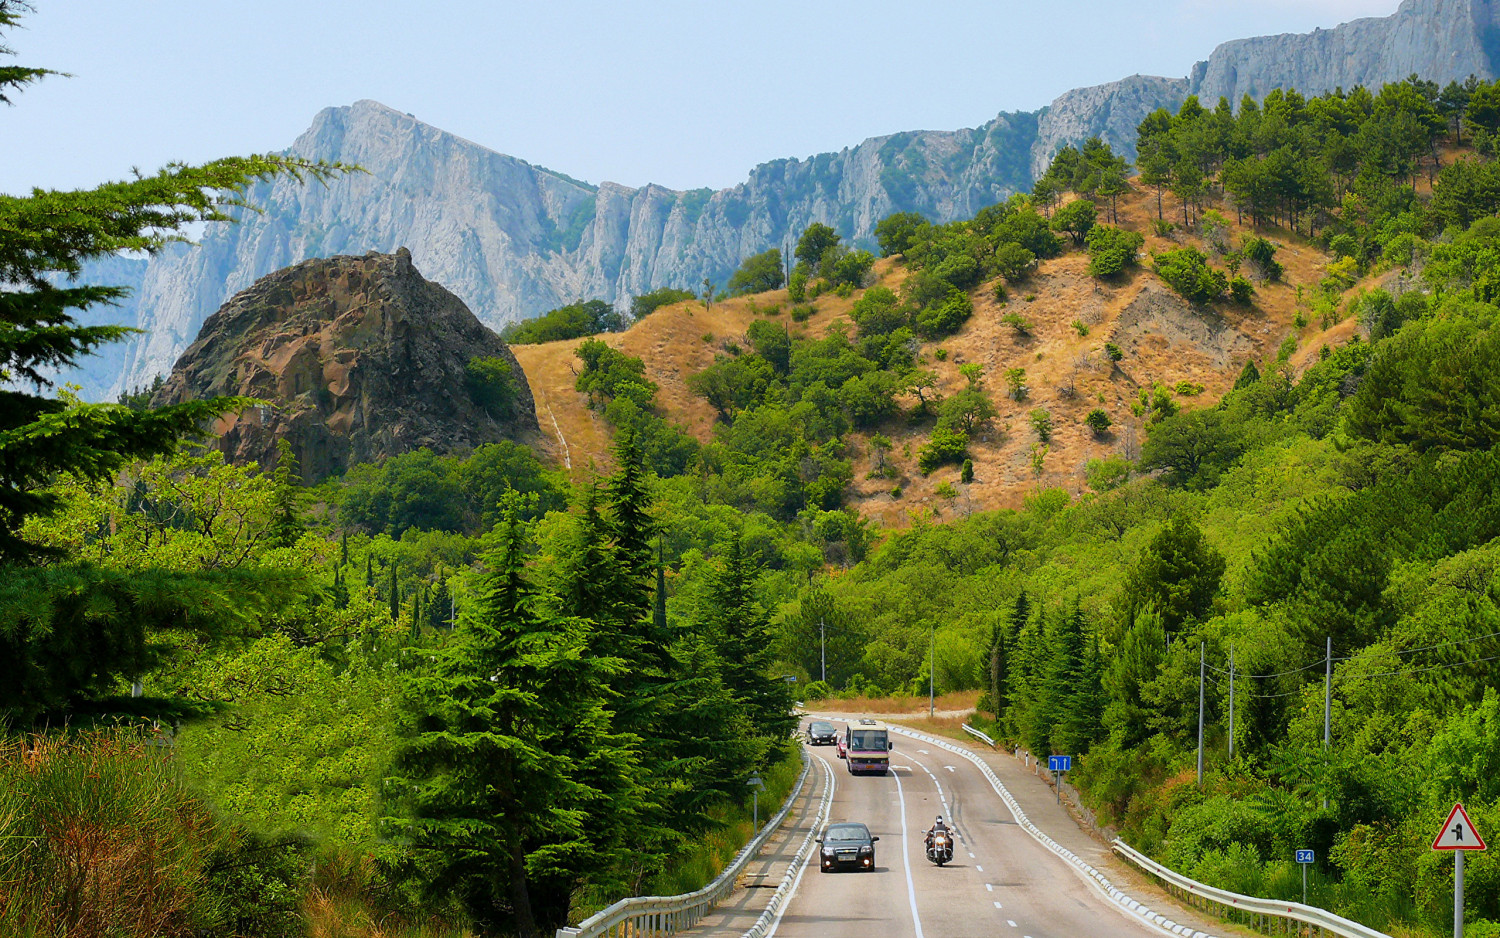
<point x="868" y="740"/>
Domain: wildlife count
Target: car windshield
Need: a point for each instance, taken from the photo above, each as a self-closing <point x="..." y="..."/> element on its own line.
<point x="869" y="740"/>
<point x="822" y="729"/>
<point x="847" y="833"/>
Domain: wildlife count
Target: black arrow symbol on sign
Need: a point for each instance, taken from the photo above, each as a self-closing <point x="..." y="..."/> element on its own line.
<point x="1458" y="831"/>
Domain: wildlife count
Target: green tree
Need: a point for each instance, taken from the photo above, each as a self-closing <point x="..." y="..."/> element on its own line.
<point x="1177" y="574"/>
<point x="648" y="303"/>
<point x="286" y="524"/>
<point x="1013" y="262"/>
<point x="1098" y="421"/>
<point x="816" y="241"/>
<point x="897" y="232"/>
<point x="1135" y="664"/>
<point x="518" y="790"/>
<point x="758" y="273"/>
<point x="1076" y="218"/>
<point x="492" y="385"/>
<point x="744" y="632"/>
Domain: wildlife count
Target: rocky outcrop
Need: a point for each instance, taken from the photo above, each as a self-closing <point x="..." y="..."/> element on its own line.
<point x="1440" y="40"/>
<point x="358" y="357"/>
<point x="514" y="240"/>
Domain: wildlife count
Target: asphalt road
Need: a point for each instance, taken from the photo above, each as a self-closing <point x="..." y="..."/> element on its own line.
<point x="1001" y="881"/>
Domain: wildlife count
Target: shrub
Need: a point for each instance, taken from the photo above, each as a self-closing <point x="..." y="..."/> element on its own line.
<point x="896" y="491"/>
<point x="491" y="385"/>
<point x="1019" y="323"/>
<point x="1111" y="250"/>
<point x="945" y="447"/>
<point x="1188" y="388"/>
<point x="1241" y="290"/>
<point x="945" y="490"/>
<point x="1098" y="421"/>
<point x="758" y="273"/>
<point x="945" y="318"/>
<point x="1041" y="422"/>
<point x="1080" y="328"/>
<point x="1112" y="352"/>
<point x="1015" y="383"/>
<point x="1107" y="473"/>
<point x="802" y="311"/>
<point x="817" y="690"/>
<point x="796" y="288"/>
<point x="966" y="473"/>
<point x="1014" y="262"/>
<point x="1186" y="271"/>
<point x="940" y="353"/>
<point x="1262" y="253"/>
<point x="648" y="303"/>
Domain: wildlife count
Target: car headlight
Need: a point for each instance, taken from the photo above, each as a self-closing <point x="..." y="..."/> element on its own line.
<point x="828" y="851"/>
<point x="866" y="850"/>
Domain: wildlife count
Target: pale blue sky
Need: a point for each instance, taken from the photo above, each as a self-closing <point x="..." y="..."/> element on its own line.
<point x="684" y="93"/>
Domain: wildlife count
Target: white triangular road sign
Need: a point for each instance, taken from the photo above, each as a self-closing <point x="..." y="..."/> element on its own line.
<point x="1458" y="832"/>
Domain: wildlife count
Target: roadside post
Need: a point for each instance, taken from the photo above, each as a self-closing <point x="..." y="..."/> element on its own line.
<point x="756" y="785"/>
<point x="1304" y="857"/>
<point x="1458" y="834"/>
<point x="1059" y="765"/>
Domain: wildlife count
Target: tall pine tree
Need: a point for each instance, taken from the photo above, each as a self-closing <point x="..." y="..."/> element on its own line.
<point x="521" y="791"/>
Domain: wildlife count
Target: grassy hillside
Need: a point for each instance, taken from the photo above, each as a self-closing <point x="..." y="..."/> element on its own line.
<point x="1166" y="340"/>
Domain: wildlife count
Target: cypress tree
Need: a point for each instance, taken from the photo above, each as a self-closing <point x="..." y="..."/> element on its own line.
<point x="344" y="549"/>
<point x="369" y="572"/>
<point x="286" y="518"/>
<point x="395" y="597"/>
<point x="745" y="642"/>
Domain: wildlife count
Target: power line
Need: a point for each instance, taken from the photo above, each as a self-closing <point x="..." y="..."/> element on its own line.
<point x="1412" y="651"/>
<point x="1436" y="667"/>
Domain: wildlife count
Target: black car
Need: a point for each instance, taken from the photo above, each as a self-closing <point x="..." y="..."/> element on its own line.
<point x="847" y="847"/>
<point x="822" y="733"/>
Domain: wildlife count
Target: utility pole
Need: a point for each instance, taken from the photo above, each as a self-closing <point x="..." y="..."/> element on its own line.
<point x="932" y="671"/>
<point x="823" y="649"/>
<point x="1231" y="701"/>
<point x="1202" y="662"/>
<point x="1327" y="700"/>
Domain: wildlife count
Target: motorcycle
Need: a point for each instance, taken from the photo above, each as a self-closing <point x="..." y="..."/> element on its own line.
<point x="940" y="847"/>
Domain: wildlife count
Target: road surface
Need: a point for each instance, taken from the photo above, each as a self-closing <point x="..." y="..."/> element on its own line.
<point x="1001" y="881"/>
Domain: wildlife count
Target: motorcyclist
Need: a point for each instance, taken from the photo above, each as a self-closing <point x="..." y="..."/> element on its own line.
<point x="938" y="825"/>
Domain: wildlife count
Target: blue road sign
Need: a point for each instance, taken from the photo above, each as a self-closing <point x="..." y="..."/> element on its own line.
<point x="1304" y="856"/>
<point x="1059" y="763"/>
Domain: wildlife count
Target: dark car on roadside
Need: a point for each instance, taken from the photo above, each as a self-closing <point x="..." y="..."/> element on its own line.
<point x="822" y="733"/>
<point x="847" y="846"/>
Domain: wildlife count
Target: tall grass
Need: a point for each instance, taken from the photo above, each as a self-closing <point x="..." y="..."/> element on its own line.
<point x="98" y="838"/>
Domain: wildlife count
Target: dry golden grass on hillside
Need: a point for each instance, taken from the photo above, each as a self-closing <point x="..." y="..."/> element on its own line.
<point x="1165" y="340"/>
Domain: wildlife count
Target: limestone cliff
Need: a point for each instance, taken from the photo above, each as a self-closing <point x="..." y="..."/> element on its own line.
<point x="359" y="357"/>
<point x="513" y="239"/>
<point x="1440" y="40"/>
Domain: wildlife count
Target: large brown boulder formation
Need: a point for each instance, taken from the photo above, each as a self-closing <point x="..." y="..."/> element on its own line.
<point x="358" y="358"/>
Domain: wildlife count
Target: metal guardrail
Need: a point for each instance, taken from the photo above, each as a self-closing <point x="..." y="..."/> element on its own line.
<point x="766" y="923"/>
<point x="650" y="916"/>
<point x="1236" y="906"/>
<point x="982" y="737"/>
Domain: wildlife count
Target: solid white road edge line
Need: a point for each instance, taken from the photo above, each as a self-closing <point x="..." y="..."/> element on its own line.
<point x="1124" y="904"/>
<point x="911" y="889"/>
<point x="776" y="908"/>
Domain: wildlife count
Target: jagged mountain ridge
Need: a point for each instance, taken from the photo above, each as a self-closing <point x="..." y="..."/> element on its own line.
<point x="513" y="239"/>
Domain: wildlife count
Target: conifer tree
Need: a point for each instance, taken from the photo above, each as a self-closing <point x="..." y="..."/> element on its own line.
<point x="395" y="597"/>
<point x="1069" y="660"/>
<point x="521" y="792"/>
<point x="286" y="520"/>
<point x="369" y="572"/>
<point x="659" y="599"/>
<point x="744" y="632"/>
<point x="1136" y="663"/>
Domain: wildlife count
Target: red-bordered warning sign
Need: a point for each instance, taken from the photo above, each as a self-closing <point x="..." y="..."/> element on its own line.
<point x="1458" y="832"/>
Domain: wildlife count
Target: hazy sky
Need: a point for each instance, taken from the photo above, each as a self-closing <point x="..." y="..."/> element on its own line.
<point x="684" y="93"/>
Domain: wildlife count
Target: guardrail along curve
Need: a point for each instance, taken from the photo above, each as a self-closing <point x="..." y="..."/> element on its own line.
<point x="646" y="916"/>
<point x="1328" y="922"/>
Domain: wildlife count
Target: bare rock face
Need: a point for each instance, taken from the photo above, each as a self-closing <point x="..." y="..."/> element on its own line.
<point x="1439" y="40"/>
<point x="360" y="357"/>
